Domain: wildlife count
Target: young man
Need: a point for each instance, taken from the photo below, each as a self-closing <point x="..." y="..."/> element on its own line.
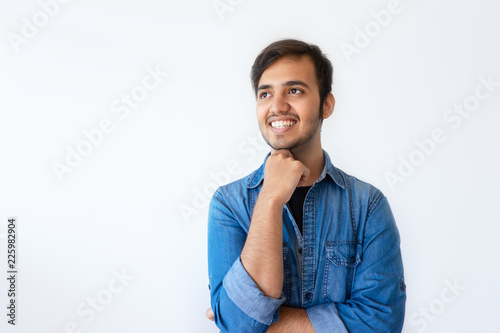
<point x="298" y="245"/>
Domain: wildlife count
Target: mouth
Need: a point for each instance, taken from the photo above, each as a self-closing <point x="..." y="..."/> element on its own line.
<point x="279" y="124"/>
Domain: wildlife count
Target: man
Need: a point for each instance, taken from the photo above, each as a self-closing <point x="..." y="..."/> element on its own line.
<point x="298" y="245"/>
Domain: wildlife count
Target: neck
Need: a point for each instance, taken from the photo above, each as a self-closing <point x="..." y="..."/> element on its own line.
<point x="313" y="159"/>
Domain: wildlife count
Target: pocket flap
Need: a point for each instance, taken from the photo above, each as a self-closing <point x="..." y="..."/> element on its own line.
<point x="343" y="253"/>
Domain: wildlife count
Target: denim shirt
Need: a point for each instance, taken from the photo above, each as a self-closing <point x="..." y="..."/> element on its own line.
<point x="345" y="269"/>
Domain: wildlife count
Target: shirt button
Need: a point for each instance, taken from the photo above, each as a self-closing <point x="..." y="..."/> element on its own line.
<point x="308" y="296"/>
<point x="352" y="259"/>
<point x="300" y="250"/>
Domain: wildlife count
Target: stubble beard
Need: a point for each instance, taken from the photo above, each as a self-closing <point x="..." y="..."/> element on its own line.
<point x="280" y="143"/>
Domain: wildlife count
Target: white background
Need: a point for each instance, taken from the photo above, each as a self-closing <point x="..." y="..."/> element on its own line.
<point x="120" y="208"/>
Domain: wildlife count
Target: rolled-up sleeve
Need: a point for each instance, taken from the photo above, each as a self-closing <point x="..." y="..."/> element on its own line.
<point x="378" y="297"/>
<point x="245" y="293"/>
<point x="325" y="318"/>
<point x="237" y="302"/>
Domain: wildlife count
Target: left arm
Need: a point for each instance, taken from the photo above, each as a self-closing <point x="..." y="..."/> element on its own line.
<point x="292" y="320"/>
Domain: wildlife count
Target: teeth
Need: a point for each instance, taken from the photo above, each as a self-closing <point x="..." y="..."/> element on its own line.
<point x="282" y="124"/>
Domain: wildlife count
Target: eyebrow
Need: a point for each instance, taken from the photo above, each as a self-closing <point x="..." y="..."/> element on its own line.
<point x="286" y="84"/>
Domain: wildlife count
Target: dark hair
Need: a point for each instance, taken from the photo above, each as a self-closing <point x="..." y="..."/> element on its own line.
<point x="293" y="47"/>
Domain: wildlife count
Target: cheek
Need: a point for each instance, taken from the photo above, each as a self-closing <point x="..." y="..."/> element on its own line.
<point x="261" y="113"/>
<point x="310" y="109"/>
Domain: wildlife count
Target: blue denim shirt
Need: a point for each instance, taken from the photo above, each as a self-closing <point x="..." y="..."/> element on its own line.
<point x="345" y="269"/>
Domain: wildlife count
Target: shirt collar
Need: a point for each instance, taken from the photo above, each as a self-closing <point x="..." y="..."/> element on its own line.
<point x="256" y="177"/>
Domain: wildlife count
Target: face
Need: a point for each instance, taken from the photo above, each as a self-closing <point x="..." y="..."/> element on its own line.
<point x="288" y="104"/>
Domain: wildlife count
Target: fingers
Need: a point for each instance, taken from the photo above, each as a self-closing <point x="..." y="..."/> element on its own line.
<point x="284" y="152"/>
<point x="210" y="314"/>
<point x="305" y="175"/>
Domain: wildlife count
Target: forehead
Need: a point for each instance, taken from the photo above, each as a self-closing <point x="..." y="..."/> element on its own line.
<point x="290" y="68"/>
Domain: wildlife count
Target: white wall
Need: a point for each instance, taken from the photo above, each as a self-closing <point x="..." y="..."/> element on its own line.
<point x="119" y="208"/>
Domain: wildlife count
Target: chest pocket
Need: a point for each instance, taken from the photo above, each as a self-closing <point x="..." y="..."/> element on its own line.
<point x="342" y="258"/>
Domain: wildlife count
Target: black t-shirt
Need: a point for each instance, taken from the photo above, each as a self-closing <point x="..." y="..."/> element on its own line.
<point x="296" y="204"/>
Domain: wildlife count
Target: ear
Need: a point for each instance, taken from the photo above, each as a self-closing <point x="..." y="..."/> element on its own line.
<point x="328" y="106"/>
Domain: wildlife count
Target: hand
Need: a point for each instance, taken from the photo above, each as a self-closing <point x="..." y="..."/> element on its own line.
<point x="282" y="175"/>
<point x="210" y="314"/>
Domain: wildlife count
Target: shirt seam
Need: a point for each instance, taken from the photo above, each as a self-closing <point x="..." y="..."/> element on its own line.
<point x="374" y="204"/>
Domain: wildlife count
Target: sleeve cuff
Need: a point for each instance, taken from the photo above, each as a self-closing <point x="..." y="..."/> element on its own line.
<point x="245" y="293"/>
<point x="325" y="319"/>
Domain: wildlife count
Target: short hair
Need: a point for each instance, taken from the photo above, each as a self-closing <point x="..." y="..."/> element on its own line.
<point x="294" y="47"/>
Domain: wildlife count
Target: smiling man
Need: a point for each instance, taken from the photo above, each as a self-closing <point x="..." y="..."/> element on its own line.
<point x="299" y="245"/>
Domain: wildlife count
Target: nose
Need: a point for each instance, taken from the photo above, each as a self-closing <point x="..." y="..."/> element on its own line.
<point x="279" y="104"/>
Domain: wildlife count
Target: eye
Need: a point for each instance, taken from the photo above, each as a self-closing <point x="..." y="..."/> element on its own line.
<point x="295" y="91"/>
<point x="264" y="94"/>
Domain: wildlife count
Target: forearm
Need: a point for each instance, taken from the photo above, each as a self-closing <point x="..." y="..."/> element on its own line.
<point x="292" y="320"/>
<point x="262" y="254"/>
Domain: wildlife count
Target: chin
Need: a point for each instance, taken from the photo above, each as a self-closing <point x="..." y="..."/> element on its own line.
<point x="288" y="146"/>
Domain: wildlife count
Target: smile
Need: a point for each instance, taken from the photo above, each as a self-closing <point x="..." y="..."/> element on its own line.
<point x="282" y="124"/>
